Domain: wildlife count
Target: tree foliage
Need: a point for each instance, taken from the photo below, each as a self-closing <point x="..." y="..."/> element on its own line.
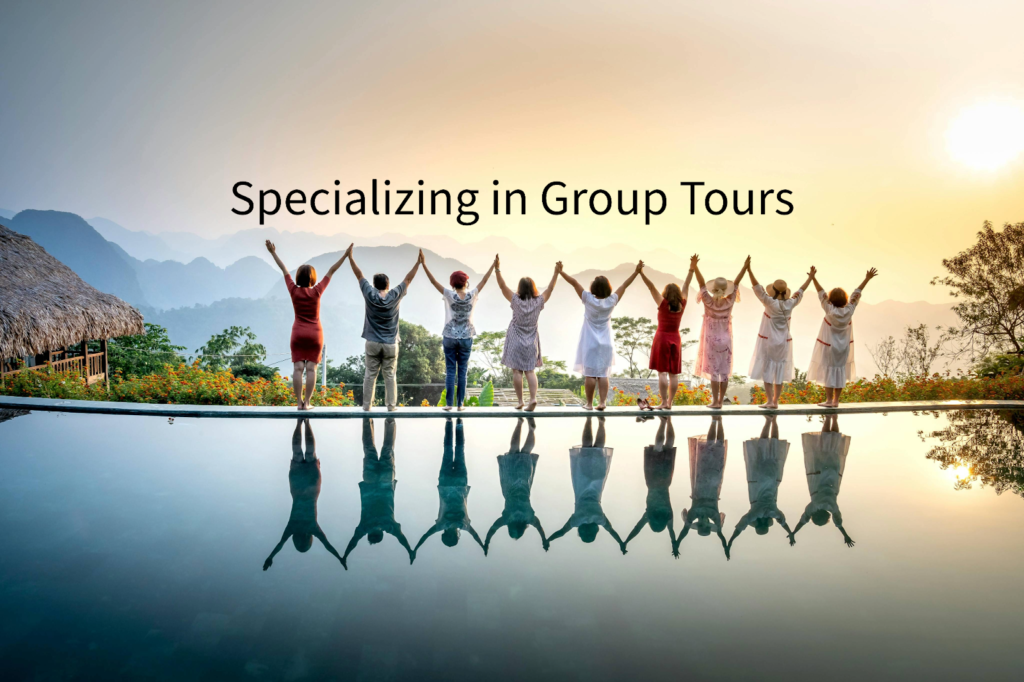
<point x="143" y="354"/>
<point x="235" y="348"/>
<point x="420" y="360"/>
<point x="633" y="339"/>
<point x="913" y="355"/>
<point x="487" y="350"/>
<point x="983" y="447"/>
<point x="988" y="282"/>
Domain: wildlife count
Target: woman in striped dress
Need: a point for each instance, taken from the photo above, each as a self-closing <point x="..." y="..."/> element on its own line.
<point x="522" y="342"/>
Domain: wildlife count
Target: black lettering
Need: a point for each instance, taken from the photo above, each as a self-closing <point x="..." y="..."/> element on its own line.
<point x="473" y="216"/>
<point x="607" y="198"/>
<point x="631" y="211"/>
<point x="576" y="200"/>
<point x="264" y="193"/>
<point x="408" y="195"/>
<point x="312" y="202"/>
<point x="234" y="190"/>
<point x="544" y="198"/>
<point x="360" y="199"/>
<point x="736" y="203"/>
<point x="508" y="201"/>
<point x="289" y="200"/>
<point x="765" y="193"/>
<point x="693" y="194"/>
<point x="447" y="201"/>
<point x="647" y="204"/>
<point x="783" y="201"/>
<point x="373" y="199"/>
<point x="707" y="201"/>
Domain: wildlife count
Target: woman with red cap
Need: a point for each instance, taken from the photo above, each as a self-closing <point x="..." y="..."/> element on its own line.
<point x="457" y="337"/>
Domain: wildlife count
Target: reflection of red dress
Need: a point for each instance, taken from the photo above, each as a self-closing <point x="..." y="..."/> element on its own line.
<point x="307" y="334"/>
<point x="666" y="351"/>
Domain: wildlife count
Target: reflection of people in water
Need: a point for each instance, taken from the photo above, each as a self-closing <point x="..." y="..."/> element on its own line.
<point x="707" y="466"/>
<point x="453" y="491"/>
<point x="589" y="464"/>
<point x="824" y="460"/>
<point x="304" y="481"/>
<point x="515" y="472"/>
<point x="659" y="464"/>
<point x="377" y="491"/>
<point x="765" y="458"/>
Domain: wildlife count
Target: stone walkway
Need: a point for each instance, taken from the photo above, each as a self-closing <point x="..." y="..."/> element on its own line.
<point x="546" y="397"/>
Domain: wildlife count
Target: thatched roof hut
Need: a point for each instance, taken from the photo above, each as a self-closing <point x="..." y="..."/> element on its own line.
<point x="44" y="305"/>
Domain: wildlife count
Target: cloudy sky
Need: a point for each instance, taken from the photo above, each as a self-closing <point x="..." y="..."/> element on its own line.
<point x="898" y="126"/>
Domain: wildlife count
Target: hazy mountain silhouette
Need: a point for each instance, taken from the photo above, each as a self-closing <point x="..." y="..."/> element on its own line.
<point x="141" y="245"/>
<point x="72" y="241"/>
<point x="6" y="214"/>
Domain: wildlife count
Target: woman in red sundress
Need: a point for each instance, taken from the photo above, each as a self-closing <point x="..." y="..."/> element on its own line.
<point x="666" y="351"/>
<point x="307" y="333"/>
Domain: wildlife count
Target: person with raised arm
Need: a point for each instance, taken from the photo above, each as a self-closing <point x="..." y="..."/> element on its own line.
<point x="825" y="454"/>
<point x="773" y="353"/>
<point x="515" y="473"/>
<point x="589" y="465"/>
<point x="522" y="342"/>
<point x="832" y="363"/>
<point x="452" y="492"/>
<point x="304" y="483"/>
<point x="595" y="353"/>
<point x="377" y="492"/>
<point x="659" y="465"/>
<point x="380" y="329"/>
<point x="667" y="347"/>
<point x="714" y="354"/>
<point x="457" y="335"/>
<point x="707" y="470"/>
<point x="765" y="459"/>
<point x="307" y="342"/>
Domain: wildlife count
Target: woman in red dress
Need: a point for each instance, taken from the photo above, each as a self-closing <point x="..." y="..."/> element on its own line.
<point x="307" y="333"/>
<point x="667" y="349"/>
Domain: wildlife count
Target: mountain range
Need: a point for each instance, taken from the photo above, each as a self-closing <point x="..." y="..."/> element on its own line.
<point x="234" y="284"/>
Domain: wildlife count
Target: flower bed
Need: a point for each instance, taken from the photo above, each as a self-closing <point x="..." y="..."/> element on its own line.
<point x="684" y="396"/>
<point x="181" y="385"/>
<point x="890" y="389"/>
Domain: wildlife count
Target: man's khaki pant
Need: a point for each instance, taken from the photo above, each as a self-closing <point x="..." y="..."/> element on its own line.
<point x="380" y="356"/>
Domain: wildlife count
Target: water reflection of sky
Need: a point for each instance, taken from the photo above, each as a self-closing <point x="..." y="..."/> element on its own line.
<point x="135" y="547"/>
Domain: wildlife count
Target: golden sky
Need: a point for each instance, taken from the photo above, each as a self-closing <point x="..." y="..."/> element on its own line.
<point x="148" y="115"/>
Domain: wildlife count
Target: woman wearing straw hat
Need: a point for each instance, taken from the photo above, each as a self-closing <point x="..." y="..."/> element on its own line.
<point x="714" y="355"/>
<point x="773" y="353"/>
<point x="458" y="333"/>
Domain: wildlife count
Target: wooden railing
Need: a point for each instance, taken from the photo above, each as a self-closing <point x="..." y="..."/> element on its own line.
<point x="92" y="366"/>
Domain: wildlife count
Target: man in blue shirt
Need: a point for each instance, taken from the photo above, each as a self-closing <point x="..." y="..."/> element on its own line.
<point x="380" y="329"/>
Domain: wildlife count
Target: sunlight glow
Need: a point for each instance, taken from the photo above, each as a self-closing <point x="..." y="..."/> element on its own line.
<point x="987" y="136"/>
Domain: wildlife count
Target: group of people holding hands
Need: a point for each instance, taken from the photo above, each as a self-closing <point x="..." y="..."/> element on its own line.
<point x="832" y="359"/>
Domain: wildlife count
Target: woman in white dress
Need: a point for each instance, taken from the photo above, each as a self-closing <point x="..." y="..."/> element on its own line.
<point x="595" y="354"/>
<point x="707" y="469"/>
<point x="714" y="354"/>
<point x="825" y="460"/>
<point x="522" y="353"/>
<point x="765" y="458"/>
<point x="515" y="473"/>
<point x="773" y="354"/>
<point x="589" y="465"/>
<point x="832" y="362"/>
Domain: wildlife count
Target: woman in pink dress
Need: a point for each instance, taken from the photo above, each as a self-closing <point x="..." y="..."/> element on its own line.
<point x="714" y="355"/>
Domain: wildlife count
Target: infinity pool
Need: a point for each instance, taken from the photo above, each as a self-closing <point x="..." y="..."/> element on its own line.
<point x="139" y="548"/>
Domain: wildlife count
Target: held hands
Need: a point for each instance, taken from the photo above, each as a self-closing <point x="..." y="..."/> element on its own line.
<point x="693" y="261"/>
<point x="559" y="267"/>
<point x="813" y="272"/>
<point x="420" y="258"/>
<point x="639" y="267"/>
<point x="497" y="262"/>
<point x="746" y="263"/>
<point x="348" y="251"/>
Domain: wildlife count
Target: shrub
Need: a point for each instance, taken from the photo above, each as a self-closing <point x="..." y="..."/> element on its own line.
<point x="684" y="396"/>
<point x="900" y="389"/>
<point x="997" y="364"/>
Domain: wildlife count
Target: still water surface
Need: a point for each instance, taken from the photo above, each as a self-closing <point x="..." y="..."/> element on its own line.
<point x="423" y="549"/>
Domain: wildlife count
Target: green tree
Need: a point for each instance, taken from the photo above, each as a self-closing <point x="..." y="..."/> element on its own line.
<point x="143" y="354"/>
<point x="555" y="374"/>
<point x="236" y="349"/>
<point x="985" y="447"/>
<point x="988" y="282"/>
<point x="633" y="338"/>
<point x="487" y="349"/>
<point x="420" y="355"/>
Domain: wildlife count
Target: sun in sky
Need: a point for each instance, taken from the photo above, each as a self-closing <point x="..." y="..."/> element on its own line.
<point x="987" y="136"/>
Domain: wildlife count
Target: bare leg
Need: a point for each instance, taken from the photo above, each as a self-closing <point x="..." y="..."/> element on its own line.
<point x="297" y="383"/>
<point x="835" y="396"/>
<point x="588" y="434"/>
<point x="775" y="428"/>
<point x="310" y="443"/>
<point x="602" y="391"/>
<point x="663" y="389"/>
<point x="767" y="426"/>
<point x="514" y="445"/>
<point x="310" y="383"/>
<point x="297" y="441"/>
<point x="673" y="386"/>
<point x="767" y="397"/>
<point x="778" y="394"/>
<point x="670" y="435"/>
<point x="531" y="381"/>
<point x="517" y="383"/>
<point x="599" y="441"/>
<point x="717" y="393"/>
<point x="659" y="438"/>
<point x="712" y="430"/>
<point x="528" y="447"/>
<point x="721" y="429"/>
<point x="588" y="389"/>
<point x="828" y="398"/>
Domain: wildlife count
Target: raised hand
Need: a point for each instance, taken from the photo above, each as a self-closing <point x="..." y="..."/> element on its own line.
<point x="639" y="267"/>
<point x="348" y="251"/>
<point x="746" y="263"/>
<point x="559" y="267"/>
<point x="693" y="261"/>
<point x="270" y="246"/>
<point x="813" y="271"/>
<point x="269" y="562"/>
<point x="872" y="273"/>
<point x="420" y="258"/>
<point x="497" y="262"/>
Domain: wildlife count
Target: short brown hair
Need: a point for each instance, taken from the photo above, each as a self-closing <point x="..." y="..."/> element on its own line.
<point x="838" y="297"/>
<point x="305" y="276"/>
<point x="527" y="289"/>
<point x="601" y="287"/>
<point x="674" y="295"/>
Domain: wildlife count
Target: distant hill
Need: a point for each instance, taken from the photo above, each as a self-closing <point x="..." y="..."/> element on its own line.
<point x="7" y="213"/>
<point x="72" y="241"/>
<point x="170" y="284"/>
<point x="141" y="245"/>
